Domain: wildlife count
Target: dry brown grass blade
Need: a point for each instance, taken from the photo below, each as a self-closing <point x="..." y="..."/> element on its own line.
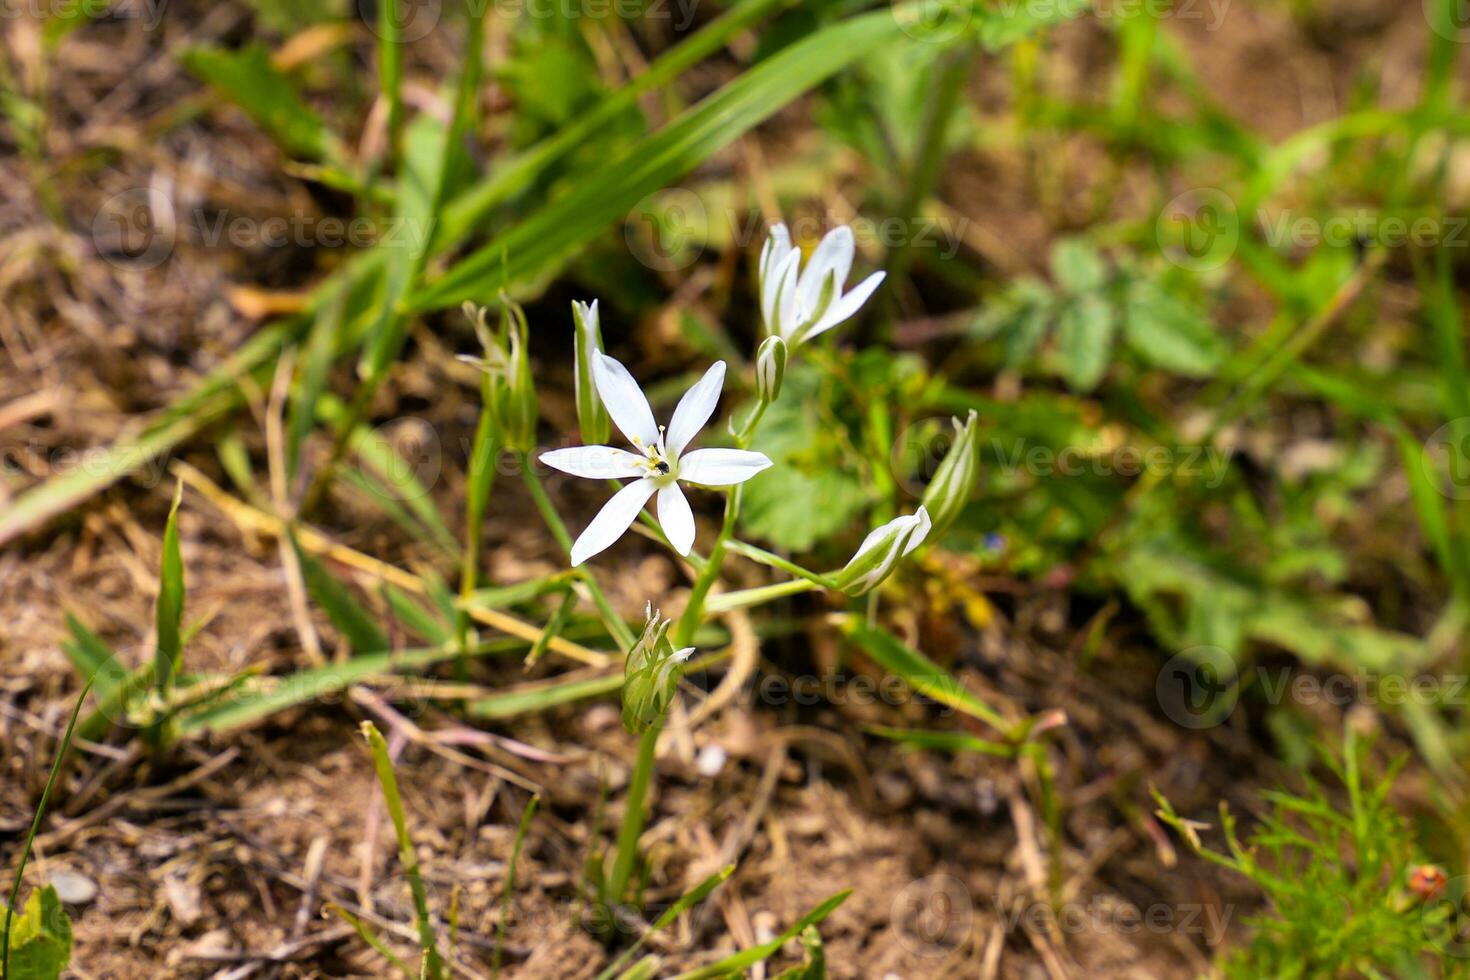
<point x="259" y="522"/>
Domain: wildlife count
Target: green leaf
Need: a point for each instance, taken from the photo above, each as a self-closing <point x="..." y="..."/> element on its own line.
<point x="170" y="607"/>
<point x="943" y="741"/>
<point x="1003" y="24"/>
<point x="808" y="495"/>
<point x="1170" y="334"/>
<point x="433" y="964"/>
<point x="1085" y="337"/>
<point x="919" y="672"/>
<point x="734" y="965"/>
<point x="537" y="245"/>
<point x="92" y="657"/>
<point x="248" y="79"/>
<point x="354" y="622"/>
<point x="815" y="966"/>
<point x="321" y="350"/>
<point x="40" y="945"/>
<point x="1077" y="266"/>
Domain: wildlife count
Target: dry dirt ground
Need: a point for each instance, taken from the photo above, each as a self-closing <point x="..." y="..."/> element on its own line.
<point x="211" y="857"/>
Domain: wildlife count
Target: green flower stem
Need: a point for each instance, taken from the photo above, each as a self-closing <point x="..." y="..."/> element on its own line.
<point x="765" y="557"/>
<point x="694" y="611"/>
<point x="742" y="438"/>
<point x="632" y="828"/>
<point x="757" y="596"/>
<point x="477" y="496"/>
<point x="615" y="625"/>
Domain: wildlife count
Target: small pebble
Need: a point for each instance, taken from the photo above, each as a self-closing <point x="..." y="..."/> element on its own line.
<point x="711" y="761"/>
<point x="72" y="888"/>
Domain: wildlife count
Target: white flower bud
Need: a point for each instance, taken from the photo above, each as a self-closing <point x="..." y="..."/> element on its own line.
<point x="957" y="476"/>
<point x="591" y="413"/>
<point x="770" y="368"/>
<point x="881" y="550"/>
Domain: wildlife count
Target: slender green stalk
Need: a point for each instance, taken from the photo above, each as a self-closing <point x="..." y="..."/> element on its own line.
<point x="776" y="561"/>
<point x="632" y="828"/>
<point x="510" y="881"/>
<point x="433" y="964"/>
<point x="366" y="934"/>
<point x="694" y="611"/>
<point x="615" y="625"/>
<point x="726" y="601"/>
<point x="390" y="69"/>
<point x="953" y="70"/>
<point x="477" y="497"/>
<point x="25" y="853"/>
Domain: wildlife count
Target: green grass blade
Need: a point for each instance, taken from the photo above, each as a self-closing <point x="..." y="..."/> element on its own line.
<point x="25" y="852"/>
<point x="542" y="695"/>
<point x="943" y="741"/>
<point x="248" y="79"/>
<point x="433" y="965"/>
<point x="510" y="882"/>
<point x="920" y="673"/>
<point x="421" y="620"/>
<point x="91" y="656"/>
<point x="366" y="934"/>
<point x="684" y="903"/>
<point x="390" y="67"/>
<point x="467" y="211"/>
<point x="755" y="954"/>
<point x="321" y="349"/>
<point x="354" y="622"/>
<point x="169" y="611"/>
<point x="537" y="245"/>
<point x="250" y="706"/>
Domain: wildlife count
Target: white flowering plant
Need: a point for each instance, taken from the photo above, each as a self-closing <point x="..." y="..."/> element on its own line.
<point x="660" y="472"/>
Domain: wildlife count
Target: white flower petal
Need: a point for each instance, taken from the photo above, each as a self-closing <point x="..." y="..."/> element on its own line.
<point x="676" y="518"/>
<point x="616" y="516"/>
<point x="773" y="255"/>
<point x="844" y="308"/>
<point x="624" y="401"/>
<point x="832" y="256"/>
<point x="917" y="536"/>
<point x="721" y="467"/>
<point x="781" y="317"/>
<point x="694" y="409"/>
<point x="595" y="462"/>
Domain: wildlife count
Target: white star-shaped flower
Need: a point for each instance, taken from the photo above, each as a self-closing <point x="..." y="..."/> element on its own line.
<point x="658" y="462"/>
<point x="799" y="303"/>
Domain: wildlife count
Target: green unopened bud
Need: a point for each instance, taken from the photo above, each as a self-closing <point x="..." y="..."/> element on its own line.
<point x="881" y="550"/>
<point x="957" y="477"/>
<point x="651" y="675"/>
<point x="510" y="390"/>
<point x="591" y="413"/>
<point x="519" y="416"/>
<point x="770" y="368"/>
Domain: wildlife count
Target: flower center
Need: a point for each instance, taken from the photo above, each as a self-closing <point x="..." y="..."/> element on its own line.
<point x="660" y="468"/>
